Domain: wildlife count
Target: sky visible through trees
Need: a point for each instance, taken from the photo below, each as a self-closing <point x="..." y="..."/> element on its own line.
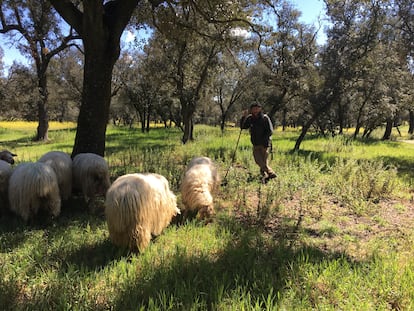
<point x="328" y="65"/>
<point x="311" y="11"/>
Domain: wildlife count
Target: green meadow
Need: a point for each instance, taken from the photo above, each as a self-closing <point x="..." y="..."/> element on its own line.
<point x="334" y="230"/>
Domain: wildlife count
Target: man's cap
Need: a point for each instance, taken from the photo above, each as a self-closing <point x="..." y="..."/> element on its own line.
<point x="255" y="105"/>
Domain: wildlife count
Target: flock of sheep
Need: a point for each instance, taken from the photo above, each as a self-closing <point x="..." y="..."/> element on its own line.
<point x="137" y="206"/>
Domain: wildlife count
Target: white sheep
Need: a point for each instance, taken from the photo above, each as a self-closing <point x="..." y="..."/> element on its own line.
<point x="7" y="156"/>
<point x="90" y="175"/>
<point x="5" y="172"/>
<point x="32" y="187"/>
<point x="61" y="163"/>
<point x="200" y="182"/>
<point x="206" y="161"/>
<point x="138" y="206"/>
<point x="200" y="160"/>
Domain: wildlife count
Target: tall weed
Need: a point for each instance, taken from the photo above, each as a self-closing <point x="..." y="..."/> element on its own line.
<point x="359" y="184"/>
<point x="338" y="144"/>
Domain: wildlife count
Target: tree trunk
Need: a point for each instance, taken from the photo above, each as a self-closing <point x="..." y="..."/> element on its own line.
<point x="147" y="127"/>
<point x="43" y="116"/>
<point x="43" y="125"/>
<point x="357" y="129"/>
<point x="367" y="133"/>
<point x="326" y="106"/>
<point x="388" y="129"/>
<point x="284" y="119"/>
<point x="358" y="122"/>
<point x="223" y="121"/>
<point x="100" y="26"/>
<point x="96" y="98"/>
<point x="141" y="114"/>
<point x="341" y="120"/>
<point x="411" y="122"/>
<point x="187" y="114"/>
<point x="188" y="130"/>
<point x="302" y="135"/>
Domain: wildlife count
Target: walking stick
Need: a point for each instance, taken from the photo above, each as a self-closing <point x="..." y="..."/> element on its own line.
<point x="224" y="183"/>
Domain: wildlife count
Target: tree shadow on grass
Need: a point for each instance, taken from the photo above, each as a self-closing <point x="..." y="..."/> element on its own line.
<point x="62" y="290"/>
<point x="27" y="140"/>
<point x="93" y="257"/>
<point x="404" y="165"/>
<point x="247" y="265"/>
<point x="159" y="139"/>
<point x="14" y="231"/>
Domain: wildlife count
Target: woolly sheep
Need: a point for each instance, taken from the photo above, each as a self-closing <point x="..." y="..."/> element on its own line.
<point x="61" y="163"/>
<point x="90" y="175"/>
<point x="5" y="172"/>
<point x="206" y="161"/>
<point x="7" y="156"/>
<point x="32" y="187"/>
<point x="138" y="206"/>
<point x="199" y="183"/>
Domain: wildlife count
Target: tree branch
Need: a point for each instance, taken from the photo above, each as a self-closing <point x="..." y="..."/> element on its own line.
<point x="70" y="13"/>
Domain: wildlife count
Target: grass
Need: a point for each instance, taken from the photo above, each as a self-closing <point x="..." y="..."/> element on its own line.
<point x="334" y="231"/>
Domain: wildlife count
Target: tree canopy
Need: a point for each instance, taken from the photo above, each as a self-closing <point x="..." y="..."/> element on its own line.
<point x="204" y="61"/>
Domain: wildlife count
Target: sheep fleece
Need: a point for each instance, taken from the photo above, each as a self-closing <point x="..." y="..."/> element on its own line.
<point x="5" y="172"/>
<point x="200" y="181"/>
<point x="33" y="186"/>
<point x="62" y="165"/>
<point x="138" y="206"/>
<point x="7" y="156"/>
<point x="90" y="174"/>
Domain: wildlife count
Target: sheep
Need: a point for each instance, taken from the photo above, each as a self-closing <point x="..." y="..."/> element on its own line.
<point x="200" y="160"/>
<point x="33" y="186"/>
<point x="138" y="206"/>
<point x="206" y="161"/>
<point x="7" y="156"/>
<point x="90" y="175"/>
<point x="5" y="172"/>
<point x="199" y="183"/>
<point x="61" y="163"/>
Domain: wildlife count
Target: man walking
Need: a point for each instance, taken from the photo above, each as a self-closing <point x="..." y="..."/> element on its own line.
<point x="261" y="130"/>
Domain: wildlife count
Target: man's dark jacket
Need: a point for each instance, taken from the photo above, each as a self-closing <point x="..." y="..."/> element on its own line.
<point x="261" y="129"/>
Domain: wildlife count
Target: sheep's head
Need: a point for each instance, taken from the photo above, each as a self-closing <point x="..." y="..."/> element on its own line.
<point x="206" y="212"/>
<point x="7" y="156"/>
<point x="100" y="182"/>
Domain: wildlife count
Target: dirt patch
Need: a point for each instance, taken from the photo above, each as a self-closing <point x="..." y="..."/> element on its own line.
<point x="408" y="141"/>
<point x="333" y="228"/>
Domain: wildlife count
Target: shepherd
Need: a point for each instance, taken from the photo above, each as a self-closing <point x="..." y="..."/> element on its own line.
<point x="261" y="130"/>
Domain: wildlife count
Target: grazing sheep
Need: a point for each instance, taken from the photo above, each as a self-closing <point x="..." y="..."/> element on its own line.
<point x="200" y="160"/>
<point x="138" y="206"/>
<point x="61" y="163"/>
<point x="5" y="172"/>
<point x="7" y="156"/>
<point x="34" y="187"/>
<point x="90" y="175"/>
<point x="199" y="183"/>
<point x="206" y="161"/>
